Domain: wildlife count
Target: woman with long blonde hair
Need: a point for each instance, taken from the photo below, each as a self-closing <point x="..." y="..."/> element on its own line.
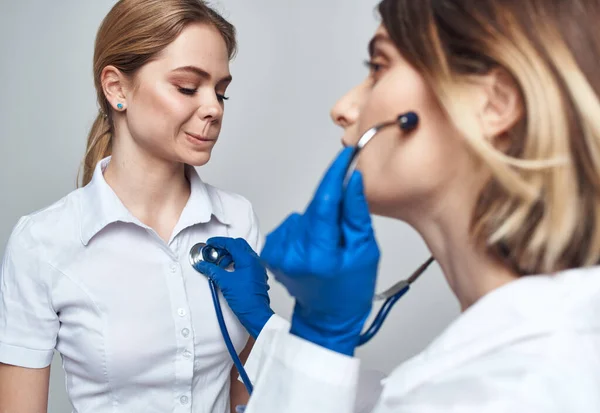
<point x="102" y="276"/>
<point x="501" y="177"/>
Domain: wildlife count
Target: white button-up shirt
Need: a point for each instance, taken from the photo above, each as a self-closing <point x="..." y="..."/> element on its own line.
<point x="133" y="321"/>
<point x="531" y="346"/>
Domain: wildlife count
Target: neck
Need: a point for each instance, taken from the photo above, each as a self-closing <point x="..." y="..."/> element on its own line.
<point x="153" y="190"/>
<point x="470" y="271"/>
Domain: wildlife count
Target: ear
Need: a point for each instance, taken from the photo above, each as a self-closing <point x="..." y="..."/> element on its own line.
<point x="501" y="106"/>
<point x="114" y="85"/>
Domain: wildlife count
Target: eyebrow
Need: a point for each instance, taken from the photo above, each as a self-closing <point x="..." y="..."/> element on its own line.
<point x="378" y="38"/>
<point x="202" y="73"/>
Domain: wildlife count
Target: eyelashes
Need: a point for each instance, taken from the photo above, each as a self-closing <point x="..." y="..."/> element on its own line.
<point x="187" y="91"/>
<point x="192" y="92"/>
<point x="372" y="66"/>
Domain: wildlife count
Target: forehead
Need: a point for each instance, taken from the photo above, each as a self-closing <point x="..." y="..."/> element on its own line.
<point x="382" y="31"/>
<point x="197" y="45"/>
<point x="381" y="39"/>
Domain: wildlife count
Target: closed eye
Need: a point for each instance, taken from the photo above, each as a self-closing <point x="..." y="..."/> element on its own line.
<point x="187" y="91"/>
<point x="372" y="66"/>
<point x="192" y="92"/>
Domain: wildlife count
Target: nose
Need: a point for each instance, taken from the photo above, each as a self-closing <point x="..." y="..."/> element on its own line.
<point x="346" y="111"/>
<point x="210" y="108"/>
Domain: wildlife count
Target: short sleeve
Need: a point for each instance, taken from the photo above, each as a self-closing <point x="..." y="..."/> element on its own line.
<point x="28" y="323"/>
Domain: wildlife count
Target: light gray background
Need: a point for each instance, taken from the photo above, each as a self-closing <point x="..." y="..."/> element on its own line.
<point x="296" y="58"/>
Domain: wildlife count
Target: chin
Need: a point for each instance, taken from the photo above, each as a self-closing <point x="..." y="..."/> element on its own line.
<point x="377" y="204"/>
<point x="197" y="159"/>
<point x="381" y="210"/>
<point x="383" y="204"/>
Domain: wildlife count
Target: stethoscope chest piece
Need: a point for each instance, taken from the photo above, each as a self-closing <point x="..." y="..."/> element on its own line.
<point x="203" y="252"/>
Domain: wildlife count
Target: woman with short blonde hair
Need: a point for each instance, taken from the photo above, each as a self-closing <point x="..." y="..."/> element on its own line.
<point x="501" y="178"/>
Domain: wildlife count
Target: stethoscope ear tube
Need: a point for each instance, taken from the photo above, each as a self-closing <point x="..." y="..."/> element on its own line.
<point x="391" y="297"/>
<point x="381" y="316"/>
<point x="407" y="122"/>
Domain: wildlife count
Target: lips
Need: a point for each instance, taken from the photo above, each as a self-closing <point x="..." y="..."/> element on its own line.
<point x="199" y="137"/>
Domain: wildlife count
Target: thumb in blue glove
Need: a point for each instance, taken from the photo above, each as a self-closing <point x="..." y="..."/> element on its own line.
<point x="246" y="287"/>
<point x="327" y="258"/>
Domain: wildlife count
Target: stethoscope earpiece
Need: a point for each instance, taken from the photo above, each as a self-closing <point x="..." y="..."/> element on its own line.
<point x="408" y="121"/>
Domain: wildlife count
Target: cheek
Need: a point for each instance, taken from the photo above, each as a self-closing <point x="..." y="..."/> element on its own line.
<point x="158" y="113"/>
<point x="403" y="169"/>
<point x="407" y="171"/>
<point x="398" y="92"/>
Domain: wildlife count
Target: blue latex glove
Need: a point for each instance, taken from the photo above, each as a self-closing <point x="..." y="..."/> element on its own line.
<point x="327" y="259"/>
<point x="245" y="288"/>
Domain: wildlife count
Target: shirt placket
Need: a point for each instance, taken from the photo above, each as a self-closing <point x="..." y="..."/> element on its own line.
<point x="184" y="361"/>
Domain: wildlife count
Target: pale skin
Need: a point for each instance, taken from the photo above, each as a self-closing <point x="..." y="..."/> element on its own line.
<point x="171" y="115"/>
<point x="428" y="178"/>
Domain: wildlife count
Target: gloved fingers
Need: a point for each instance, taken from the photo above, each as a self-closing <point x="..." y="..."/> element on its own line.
<point x="324" y="209"/>
<point x="357" y="226"/>
<point x="226" y="243"/>
<point x="277" y="243"/>
<point x="240" y="251"/>
<point x="226" y="261"/>
<point x="212" y="271"/>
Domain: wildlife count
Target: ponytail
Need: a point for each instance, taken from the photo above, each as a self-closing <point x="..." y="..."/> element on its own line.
<point x="99" y="146"/>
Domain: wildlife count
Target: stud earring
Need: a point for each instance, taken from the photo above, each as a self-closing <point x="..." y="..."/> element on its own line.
<point x="119" y="106"/>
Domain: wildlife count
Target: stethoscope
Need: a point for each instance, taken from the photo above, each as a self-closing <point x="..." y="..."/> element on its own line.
<point x="203" y="252"/>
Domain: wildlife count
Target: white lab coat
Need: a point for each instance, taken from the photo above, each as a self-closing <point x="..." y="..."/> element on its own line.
<point x="531" y="346"/>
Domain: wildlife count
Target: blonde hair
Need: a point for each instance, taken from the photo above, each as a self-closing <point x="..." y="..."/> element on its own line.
<point x="540" y="211"/>
<point x="131" y="35"/>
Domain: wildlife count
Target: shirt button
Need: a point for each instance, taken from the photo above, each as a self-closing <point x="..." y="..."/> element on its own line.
<point x="187" y="354"/>
<point x="185" y="332"/>
<point x="173" y="268"/>
<point x="181" y="312"/>
<point x="184" y="400"/>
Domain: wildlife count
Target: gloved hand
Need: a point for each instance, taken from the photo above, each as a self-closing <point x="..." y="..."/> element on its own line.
<point x="245" y="288"/>
<point x="327" y="259"/>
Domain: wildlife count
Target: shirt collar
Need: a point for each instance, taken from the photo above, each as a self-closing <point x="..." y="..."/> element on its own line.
<point x="530" y="308"/>
<point x="544" y="301"/>
<point x="100" y="206"/>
